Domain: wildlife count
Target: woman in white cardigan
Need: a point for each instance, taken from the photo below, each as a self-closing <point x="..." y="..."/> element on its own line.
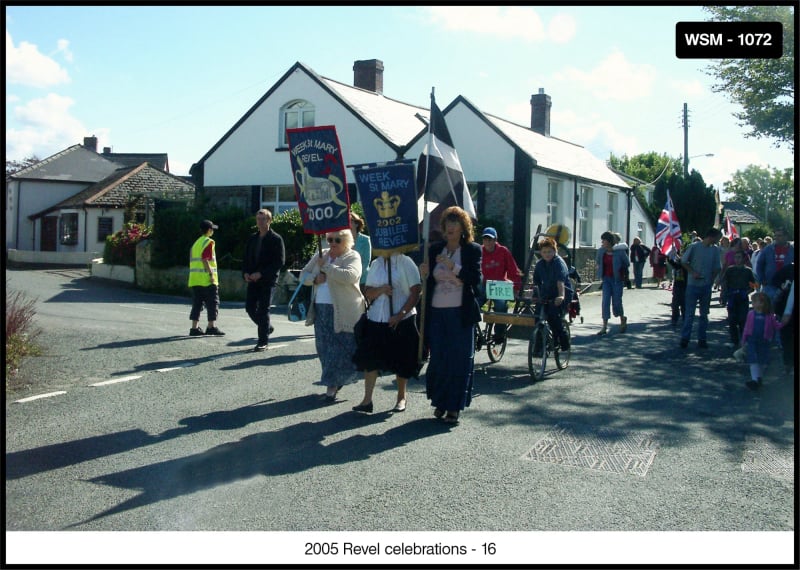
<point x="336" y="306"/>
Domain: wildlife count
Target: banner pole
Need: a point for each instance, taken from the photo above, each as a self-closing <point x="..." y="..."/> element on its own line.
<point x="426" y="223"/>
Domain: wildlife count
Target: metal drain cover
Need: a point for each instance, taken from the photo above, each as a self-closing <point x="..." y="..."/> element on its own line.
<point x="761" y="456"/>
<point x="600" y="449"/>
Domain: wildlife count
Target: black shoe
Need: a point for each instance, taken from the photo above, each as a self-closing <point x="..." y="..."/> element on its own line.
<point x="702" y="344"/>
<point x="214" y="331"/>
<point x="753" y="384"/>
<point x="684" y="342"/>
<point x="196" y="332"/>
<point x="438" y="412"/>
<point x="261" y="347"/>
<point x="363" y="408"/>
<point x="451" y="418"/>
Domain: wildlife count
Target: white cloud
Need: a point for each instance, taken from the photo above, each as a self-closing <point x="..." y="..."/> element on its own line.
<point x="693" y="88"/>
<point x="561" y="28"/>
<point x="63" y="48"/>
<point x="45" y="127"/>
<point x="505" y="22"/>
<point x="614" y="78"/>
<point x="25" y="65"/>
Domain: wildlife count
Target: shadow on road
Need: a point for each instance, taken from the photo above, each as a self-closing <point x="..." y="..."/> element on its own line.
<point x="292" y="449"/>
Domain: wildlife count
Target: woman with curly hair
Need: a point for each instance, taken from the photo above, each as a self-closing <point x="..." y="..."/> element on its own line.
<point x="451" y="309"/>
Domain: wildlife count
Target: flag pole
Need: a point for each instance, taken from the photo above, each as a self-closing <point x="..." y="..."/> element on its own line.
<point x="426" y="226"/>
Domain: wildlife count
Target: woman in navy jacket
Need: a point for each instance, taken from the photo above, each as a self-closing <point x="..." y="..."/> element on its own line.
<point x="451" y="309"/>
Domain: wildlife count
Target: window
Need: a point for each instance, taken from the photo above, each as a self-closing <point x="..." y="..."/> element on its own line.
<point x="584" y="215"/>
<point x="552" y="202"/>
<point x="68" y="229"/>
<point x="278" y="199"/>
<point x="105" y="227"/>
<point x="640" y="231"/>
<point x="295" y="115"/>
<point x="613" y="198"/>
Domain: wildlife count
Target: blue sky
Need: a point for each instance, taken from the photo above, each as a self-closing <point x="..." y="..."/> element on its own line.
<point x="175" y="79"/>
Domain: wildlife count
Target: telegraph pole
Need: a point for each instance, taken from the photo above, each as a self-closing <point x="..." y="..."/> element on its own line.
<point x="685" y="141"/>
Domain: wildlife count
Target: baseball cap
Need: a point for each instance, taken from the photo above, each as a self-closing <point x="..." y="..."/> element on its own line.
<point x="206" y="225"/>
<point x="490" y="232"/>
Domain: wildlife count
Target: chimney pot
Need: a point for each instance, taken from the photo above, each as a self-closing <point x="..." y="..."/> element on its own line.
<point x="106" y="150"/>
<point x="540" y="113"/>
<point x="368" y="74"/>
<point x="90" y="143"/>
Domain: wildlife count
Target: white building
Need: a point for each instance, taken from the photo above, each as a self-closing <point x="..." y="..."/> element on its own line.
<point x="517" y="174"/>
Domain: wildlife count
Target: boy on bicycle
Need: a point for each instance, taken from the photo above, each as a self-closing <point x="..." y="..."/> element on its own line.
<point x="551" y="277"/>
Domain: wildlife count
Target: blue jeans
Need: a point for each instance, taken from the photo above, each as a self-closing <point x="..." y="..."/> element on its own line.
<point x="612" y="295"/>
<point x="638" y="270"/>
<point x="695" y="294"/>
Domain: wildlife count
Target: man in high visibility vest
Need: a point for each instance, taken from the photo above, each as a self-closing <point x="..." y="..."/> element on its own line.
<point x="203" y="281"/>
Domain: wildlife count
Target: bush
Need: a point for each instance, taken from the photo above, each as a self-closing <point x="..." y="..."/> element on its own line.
<point x="20" y="333"/>
<point x="120" y="248"/>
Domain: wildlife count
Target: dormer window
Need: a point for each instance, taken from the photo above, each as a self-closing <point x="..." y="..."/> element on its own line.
<point x="294" y="115"/>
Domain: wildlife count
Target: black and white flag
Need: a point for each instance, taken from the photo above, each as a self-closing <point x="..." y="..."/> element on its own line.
<point x="440" y="178"/>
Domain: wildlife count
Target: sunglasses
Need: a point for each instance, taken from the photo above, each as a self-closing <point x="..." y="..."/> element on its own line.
<point x="337" y="240"/>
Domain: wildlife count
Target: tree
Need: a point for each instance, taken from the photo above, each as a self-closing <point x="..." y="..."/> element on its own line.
<point x="763" y="87"/>
<point x="768" y="194"/>
<point x="693" y="200"/>
<point x="13" y="166"/>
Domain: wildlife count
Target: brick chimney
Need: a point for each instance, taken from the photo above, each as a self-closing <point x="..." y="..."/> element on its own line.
<point x="540" y="113"/>
<point x="90" y="143"/>
<point x="368" y="74"/>
<point x="106" y="150"/>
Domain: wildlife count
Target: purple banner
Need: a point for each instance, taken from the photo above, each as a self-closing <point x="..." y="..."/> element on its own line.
<point x="319" y="179"/>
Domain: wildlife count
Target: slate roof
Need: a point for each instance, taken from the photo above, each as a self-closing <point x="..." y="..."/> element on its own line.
<point x="115" y="190"/>
<point x="396" y="121"/>
<point x="739" y="214"/>
<point x="156" y="160"/>
<point x="401" y="125"/>
<point x="73" y="164"/>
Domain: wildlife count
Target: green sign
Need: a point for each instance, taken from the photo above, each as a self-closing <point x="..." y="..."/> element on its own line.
<point x="500" y="290"/>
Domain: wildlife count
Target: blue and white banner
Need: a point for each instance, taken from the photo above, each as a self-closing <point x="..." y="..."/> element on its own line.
<point x="319" y="179"/>
<point x="388" y="195"/>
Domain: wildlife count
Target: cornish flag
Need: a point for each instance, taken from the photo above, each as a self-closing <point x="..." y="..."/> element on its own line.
<point x="668" y="229"/>
<point x="440" y="178"/>
<point x="730" y="230"/>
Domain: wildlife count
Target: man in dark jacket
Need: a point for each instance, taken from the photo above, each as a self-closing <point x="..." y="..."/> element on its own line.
<point x="264" y="255"/>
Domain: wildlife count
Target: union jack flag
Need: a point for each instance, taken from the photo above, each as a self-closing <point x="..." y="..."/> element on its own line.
<point x="668" y="229"/>
<point x="730" y="230"/>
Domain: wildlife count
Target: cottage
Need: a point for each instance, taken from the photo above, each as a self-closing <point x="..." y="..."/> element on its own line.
<point x="516" y="173"/>
<point x="69" y="202"/>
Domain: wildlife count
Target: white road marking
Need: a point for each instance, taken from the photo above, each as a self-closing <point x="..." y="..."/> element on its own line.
<point x="114" y="381"/>
<point x="185" y="365"/>
<point x="48" y="395"/>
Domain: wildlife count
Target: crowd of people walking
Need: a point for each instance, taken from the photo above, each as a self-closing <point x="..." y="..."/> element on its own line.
<point x="388" y="315"/>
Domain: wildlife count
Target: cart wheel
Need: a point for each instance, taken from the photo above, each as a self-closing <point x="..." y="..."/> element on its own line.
<point x="562" y="356"/>
<point x="495" y="349"/>
<point x="537" y="353"/>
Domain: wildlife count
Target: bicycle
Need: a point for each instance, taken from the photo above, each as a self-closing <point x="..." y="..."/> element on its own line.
<point x="486" y="336"/>
<point x="542" y="344"/>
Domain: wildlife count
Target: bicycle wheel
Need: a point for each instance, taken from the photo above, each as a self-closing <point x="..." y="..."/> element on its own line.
<point x="478" y="338"/>
<point x="537" y="352"/>
<point x="562" y="356"/>
<point x="495" y="349"/>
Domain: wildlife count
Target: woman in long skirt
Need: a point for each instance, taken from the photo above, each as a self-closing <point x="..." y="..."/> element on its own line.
<point x="451" y="313"/>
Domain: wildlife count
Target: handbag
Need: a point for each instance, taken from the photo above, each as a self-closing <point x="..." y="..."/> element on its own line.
<point x="297" y="307"/>
<point x="360" y="329"/>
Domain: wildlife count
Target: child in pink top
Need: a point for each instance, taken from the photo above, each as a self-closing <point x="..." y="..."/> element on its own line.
<point x="758" y="334"/>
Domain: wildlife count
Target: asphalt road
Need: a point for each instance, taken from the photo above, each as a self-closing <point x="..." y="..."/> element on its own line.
<point x="143" y="428"/>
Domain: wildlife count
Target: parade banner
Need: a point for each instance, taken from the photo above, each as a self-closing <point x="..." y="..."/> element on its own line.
<point x="319" y="179"/>
<point x="388" y="195"/>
